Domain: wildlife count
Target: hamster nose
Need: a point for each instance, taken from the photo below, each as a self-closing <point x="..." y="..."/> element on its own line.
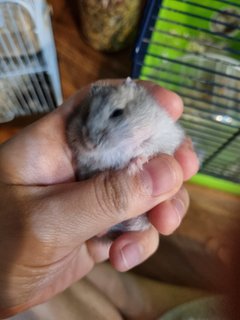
<point x="89" y="144"/>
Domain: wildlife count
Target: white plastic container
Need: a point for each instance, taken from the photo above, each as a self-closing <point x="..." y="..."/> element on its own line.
<point x="29" y="77"/>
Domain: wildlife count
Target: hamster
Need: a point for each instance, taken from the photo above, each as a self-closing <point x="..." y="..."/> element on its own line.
<point x="116" y="127"/>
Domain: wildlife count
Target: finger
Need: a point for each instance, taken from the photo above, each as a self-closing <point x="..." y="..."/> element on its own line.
<point x="167" y="216"/>
<point x="95" y="205"/>
<point x="187" y="159"/>
<point x="98" y="249"/>
<point x="167" y="99"/>
<point x="132" y="248"/>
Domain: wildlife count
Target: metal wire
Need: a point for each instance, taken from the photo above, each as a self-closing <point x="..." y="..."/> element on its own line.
<point x="194" y="66"/>
<point x="195" y="79"/>
<point x="192" y="52"/>
<point x="193" y="88"/>
<point x="208" y="7"/>
<point x="188" y="38"/>
<point x="214" y="34"/>
<point x="228" y="2"/>
<point x="211" y="86"/>
<point x="185" y="13"/>
<point x="195" y="99"/>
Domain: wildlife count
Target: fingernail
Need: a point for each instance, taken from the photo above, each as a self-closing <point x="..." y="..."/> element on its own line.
<point x="130" y="255"/>
<point x="158" y="176"/>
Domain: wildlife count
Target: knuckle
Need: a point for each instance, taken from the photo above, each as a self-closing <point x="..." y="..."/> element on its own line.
<point x="112" y="193"/>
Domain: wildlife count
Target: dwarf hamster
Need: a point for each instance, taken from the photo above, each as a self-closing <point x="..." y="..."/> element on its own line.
<point x="119" y="126"/>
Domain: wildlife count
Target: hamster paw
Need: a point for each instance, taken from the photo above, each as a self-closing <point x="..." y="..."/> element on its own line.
<point x="139" y="223"/>
<point x="136" y="165"/>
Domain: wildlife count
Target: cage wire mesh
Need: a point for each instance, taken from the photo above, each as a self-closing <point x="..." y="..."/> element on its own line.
<point x="193" y="48"/>
<point x="29" y="79"/>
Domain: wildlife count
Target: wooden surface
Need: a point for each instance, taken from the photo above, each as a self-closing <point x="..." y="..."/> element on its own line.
<point x="201" y="248"/>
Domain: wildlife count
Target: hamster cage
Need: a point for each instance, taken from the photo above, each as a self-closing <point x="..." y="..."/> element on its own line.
<point x="29" y="79"/>
<point x="193" y="48"/>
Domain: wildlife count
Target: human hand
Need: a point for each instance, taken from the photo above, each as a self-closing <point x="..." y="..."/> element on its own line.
<point x="48" y="221"/>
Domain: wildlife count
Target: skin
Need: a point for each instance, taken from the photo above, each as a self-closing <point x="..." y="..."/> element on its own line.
<point x="49" y="221"/>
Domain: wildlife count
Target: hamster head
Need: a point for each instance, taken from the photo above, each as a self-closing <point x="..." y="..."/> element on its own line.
<point x="115" y="116"/>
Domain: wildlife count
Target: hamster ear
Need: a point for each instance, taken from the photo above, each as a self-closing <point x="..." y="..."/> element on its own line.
<point x="101" y="89"/>
<point x="95" y="89"/>
<point x="129" y="82"/>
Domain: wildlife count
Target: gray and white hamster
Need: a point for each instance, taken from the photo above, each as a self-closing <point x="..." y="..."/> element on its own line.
<point x="120" y="126"/>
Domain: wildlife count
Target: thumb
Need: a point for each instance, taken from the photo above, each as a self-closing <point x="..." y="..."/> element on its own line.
<point x="89" y="207"/>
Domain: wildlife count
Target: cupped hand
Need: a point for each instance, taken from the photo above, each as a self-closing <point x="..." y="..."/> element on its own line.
<point x="49" y="222"/>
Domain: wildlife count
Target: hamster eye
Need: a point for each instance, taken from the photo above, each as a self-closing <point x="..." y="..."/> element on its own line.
<point x="116" y="113"/>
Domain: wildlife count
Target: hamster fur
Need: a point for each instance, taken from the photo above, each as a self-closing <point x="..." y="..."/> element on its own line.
<point x="120" y="126"/>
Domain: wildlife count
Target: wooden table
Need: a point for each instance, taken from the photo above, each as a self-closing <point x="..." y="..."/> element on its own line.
<point x="194" y="255"/>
